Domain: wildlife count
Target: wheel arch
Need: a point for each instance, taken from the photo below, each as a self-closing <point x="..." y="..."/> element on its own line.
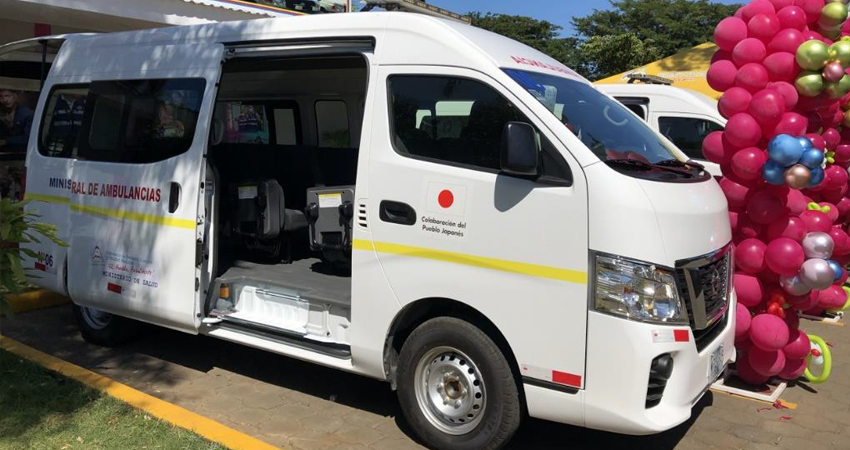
<point x="422" y="310"/>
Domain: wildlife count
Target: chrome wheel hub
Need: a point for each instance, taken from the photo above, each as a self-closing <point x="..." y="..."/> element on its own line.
<point x="449" y="390"/>
<point x="95" y="318"/>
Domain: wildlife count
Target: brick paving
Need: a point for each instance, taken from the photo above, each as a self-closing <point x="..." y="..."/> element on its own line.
<point x="301" y="406"/>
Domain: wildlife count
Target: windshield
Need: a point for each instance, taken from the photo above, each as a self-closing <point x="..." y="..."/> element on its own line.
<point x="604" y="125"/>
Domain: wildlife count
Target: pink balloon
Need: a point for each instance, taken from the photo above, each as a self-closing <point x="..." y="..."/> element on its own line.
<point x="729" y="32"/>
<point x="717" y="149"/>
<point x="832" y="297"/>
<point x="790" y="227"/>
<point x="748" y="288"/>
<point x="816" y="221"/>
<point x="835" y="177"/>
<point x="791" y="123"/>
<point x="750" y="50"/>
<point x="832" y="214"/>
<point x="781" y="66"/>
<point x="786" y="40"/>
<point x="747" y="163"/>
<point x="756" y="7"/>
<point x="749" y="256"/>
<point x="721" y="75"/>
<point x="843" y="206"/>
<point x="742" y="130"/>
<point x="812" y="8"/>
<point x="798" y="346"/>
<point x="721" y="55"/>
<point x="792" y="17"/>
<point x="742" y="320"/>
<point x="747" y="228"/>
<point x="767" y="107"/>
<point x="788" y="92"/>
<point x="779" y="4"/>
<point x="831" y="137"/>
<point x="736" y="194"/>
<point x="766" y="362"/>
<point x="746" y="372"/>
<point x="734" y="101"/>
<point x="795" y="202"/>
<point x="840" y="239"/>
<point x="842" y="153"/>
<point x="808" y="302"/>
<point x="792" y="319"/>
<point x="752" y="77"/>
<point x="784" y="256"/>
<point x="763" y="207"/>
<point x="793" y="369"/>
<point x="768" y="332"/>
<point x="833" y="195"/>
<point x="763" y="26"/>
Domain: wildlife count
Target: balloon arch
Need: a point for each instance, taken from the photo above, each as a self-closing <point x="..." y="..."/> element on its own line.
<point x="782" y="66"/>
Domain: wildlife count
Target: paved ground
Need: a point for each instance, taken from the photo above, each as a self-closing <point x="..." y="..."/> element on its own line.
<point x="298" y="405"/>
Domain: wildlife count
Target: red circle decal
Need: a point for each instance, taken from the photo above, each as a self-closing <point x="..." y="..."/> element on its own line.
<point x="446" y="198"/>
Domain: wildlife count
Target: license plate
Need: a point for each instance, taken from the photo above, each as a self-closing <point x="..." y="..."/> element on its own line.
<point x="716" y="364"/>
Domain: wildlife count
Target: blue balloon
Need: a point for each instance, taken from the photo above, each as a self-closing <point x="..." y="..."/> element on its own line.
<point x="817" y="177"/>
<point x="812" y="158"/>
<point x="805" y="142"/>
<point x="773" y="172"/>
<point x="785" y="149"/>
<point x="836" y="269"/>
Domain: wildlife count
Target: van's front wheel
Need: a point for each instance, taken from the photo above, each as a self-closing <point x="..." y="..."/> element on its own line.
<point x="456" y="388"/>
<point x="102" y="328"/>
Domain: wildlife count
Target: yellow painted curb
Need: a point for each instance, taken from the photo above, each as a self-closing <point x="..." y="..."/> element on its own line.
<point x="33" y="300"/>
<point x="168" y="412"/>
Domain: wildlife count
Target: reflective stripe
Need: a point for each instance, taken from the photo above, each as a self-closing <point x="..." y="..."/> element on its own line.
<point x="114" y="213"/>
<point x="534" y="270"/>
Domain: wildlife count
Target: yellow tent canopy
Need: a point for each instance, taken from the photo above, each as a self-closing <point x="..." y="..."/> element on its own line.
<point x="687" y="69"/>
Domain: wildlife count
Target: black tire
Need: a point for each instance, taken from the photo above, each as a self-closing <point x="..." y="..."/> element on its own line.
<point x="109" y="331"/>
<point x="500" y="409"/>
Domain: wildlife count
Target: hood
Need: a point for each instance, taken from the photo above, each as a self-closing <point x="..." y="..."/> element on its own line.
<point x="658" y="222"/>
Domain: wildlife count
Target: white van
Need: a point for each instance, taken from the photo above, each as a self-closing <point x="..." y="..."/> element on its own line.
<point x="394" y="195"/>
<point x="684" y="116"/>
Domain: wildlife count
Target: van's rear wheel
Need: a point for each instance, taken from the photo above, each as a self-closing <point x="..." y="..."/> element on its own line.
<point x="102" y="328"/>
<point x="456" y="388"/>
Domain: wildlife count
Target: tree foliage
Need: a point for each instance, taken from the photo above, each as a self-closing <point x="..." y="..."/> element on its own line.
<point x="18" y="227"/>
<point x="630" y="34"/>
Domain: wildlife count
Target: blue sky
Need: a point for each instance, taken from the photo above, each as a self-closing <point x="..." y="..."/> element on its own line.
<point x="556" y="11"/>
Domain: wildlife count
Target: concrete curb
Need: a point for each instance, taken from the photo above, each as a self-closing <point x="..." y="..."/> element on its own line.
<point x="30" y="301"/>
<point x="168" y="412"/>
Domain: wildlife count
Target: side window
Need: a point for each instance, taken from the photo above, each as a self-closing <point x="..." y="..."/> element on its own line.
<point x="140" y="121"/>
<point x="285" y="126"/>
<point x="459" y="121"/>
<point x="637" y="109"/>
<point x="62" y="121"/>
<point x="332" y="124"/>
<point x="687" y="133"/>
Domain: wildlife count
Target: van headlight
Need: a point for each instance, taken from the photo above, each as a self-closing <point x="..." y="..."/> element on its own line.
<point x="637" y="291"/>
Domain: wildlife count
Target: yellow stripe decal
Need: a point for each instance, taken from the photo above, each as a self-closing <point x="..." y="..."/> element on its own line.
<point x="534" y="270"/>
<point x="181" y="417"/>
<point x="114" y="213"/>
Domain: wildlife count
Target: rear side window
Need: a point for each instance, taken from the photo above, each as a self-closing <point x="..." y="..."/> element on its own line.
<point x="140" y="121"/>
<point x="63" y="120"/>
<point x="687" y="133"/>
<point x="457" y="121"/>
<point x="332" y="124"/>
<point x="244" y="122"/>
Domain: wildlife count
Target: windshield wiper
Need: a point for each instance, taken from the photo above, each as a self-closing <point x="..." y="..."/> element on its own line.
<point x="675" y="164"/>
<point x="631" y="163"/>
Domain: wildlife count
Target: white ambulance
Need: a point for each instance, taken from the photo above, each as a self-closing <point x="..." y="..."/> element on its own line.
<point x="684" y="116"/>
<point x="394" y="195"/>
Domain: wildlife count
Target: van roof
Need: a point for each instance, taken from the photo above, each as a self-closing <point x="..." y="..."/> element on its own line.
<point x="402" y="38"/>
<point x="671" y="93"/>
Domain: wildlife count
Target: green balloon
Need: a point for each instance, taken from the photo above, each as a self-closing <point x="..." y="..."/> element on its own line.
<point x="812" y="54"/>
<point x="838" y="89"/>
<point x="809" y="84"/>
<point x="833" y="14"/>
<point x="840" y="51"/>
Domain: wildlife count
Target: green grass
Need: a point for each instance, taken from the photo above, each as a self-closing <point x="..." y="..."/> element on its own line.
<point x="40" y="409"/>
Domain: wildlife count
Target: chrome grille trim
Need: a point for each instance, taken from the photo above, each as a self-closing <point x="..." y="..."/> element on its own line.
<point x="694" y="276"/>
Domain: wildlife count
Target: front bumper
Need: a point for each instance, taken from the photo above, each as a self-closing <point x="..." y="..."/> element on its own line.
<point x="619" y="355"/>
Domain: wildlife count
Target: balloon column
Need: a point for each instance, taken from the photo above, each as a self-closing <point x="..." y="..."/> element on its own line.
<point x="783" y="67"/>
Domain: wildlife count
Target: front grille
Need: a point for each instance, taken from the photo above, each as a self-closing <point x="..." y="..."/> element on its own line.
<point x="706" y="336"/>
<point x="703" y="283"/>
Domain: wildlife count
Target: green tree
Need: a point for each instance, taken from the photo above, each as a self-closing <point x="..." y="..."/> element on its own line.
<point x="614" y="53"/>
<point x="539" y="34"/>
<point x="18" y="227"/>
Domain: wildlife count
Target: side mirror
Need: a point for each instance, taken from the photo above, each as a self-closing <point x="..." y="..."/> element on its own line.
<point x="520" y="153"/>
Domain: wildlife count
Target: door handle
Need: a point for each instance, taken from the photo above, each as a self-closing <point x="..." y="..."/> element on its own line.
<point x="397" y="212"/>
<point x="174" y="197"/>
